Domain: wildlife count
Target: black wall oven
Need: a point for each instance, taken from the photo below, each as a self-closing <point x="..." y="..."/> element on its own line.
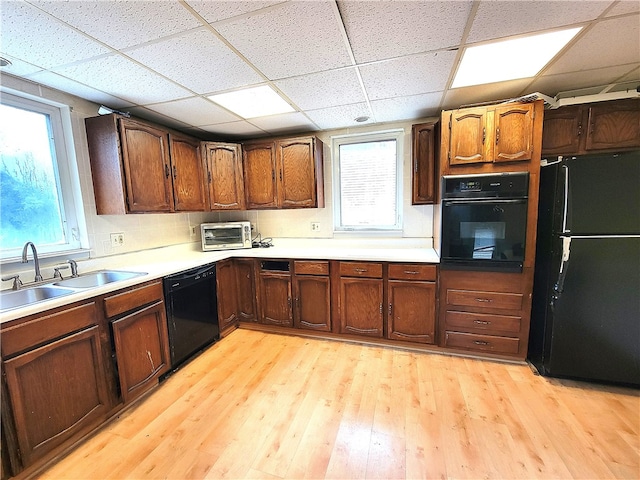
<point x="484" y="221"/>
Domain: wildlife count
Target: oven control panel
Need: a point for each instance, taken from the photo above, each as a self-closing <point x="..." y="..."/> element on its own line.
<point x="505" y="185"/>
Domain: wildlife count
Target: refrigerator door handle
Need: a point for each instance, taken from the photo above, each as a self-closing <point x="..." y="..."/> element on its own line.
<point x="562" y="274"/>
<point x="565" y="199"/>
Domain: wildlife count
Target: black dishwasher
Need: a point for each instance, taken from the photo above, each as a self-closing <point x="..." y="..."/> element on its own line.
<point x="192" y="312"/>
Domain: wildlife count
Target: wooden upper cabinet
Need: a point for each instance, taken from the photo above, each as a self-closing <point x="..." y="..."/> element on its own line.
<point x="224" y="176"/>
<point x="138" y="167"/>
<point x="513" y="133"/>
<point x="592" y="127"/>
<point x="299" y="163"/>
<point x="285" y="173"/>
<point x="502" y="133"/>
<point x="259" y="168"/>
<point x="145" y="156"/>
<point x="613" y="125"/>
<point x="562" y="130"/>
<point x="468" y="136"/>
<point x="424" y="155"/>
<point x="187" y="173"/>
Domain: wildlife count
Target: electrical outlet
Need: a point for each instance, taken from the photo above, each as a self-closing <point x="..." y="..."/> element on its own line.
<point x="117" y="239"/>
<point x="315" y="226"/>
<point x="253" y="227"/>
<point x="192" y="230"/>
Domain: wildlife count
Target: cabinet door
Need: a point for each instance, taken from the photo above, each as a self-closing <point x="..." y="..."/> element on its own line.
<point x="412" y="311"/>
<point x="226" y="183"/>
<point x="614" y="125"/>
<point x="561" y="131"/>
<point x="188" y="174"/>
<point x="513" y="136"/>
<point x="246" y="290"/>
<point x="57" y="392"/>
<point x="227" y="294"/>
<point x="313" y="303"/>
<point x="145" y="155"/>
<point x="469" y="137"/>
<point x="424" y="169"/>
<point x="259" y="168"/>
<point x="296" y="173"/>
<point x="361" y="306"/>
<point x="275" y="298"/>
<point x="142" y="349"/>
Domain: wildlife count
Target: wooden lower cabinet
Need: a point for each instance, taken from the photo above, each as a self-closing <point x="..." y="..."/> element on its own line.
<point x="227" y="293"/>
<point x="361" y="299"/>
<point x="412" y="311"/>
<point x="57" y="392"/>
<point x="275" y="294"/>
<point x="312" y="288"/>
<point x="485" y="312"/>
<point x="246" y="292"/>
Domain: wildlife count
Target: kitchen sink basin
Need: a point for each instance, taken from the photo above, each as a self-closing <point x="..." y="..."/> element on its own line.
<point x="96" y="279"/>
<point x="28" y="296"/>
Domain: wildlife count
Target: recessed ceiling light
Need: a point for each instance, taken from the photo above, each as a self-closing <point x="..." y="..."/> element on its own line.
<point x="510" y="59"/>
<point x="361" y="119"/>
<point x="4" y="62"/>
<point x="253" y="102"/>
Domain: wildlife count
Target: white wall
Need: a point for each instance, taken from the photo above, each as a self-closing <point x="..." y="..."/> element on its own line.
<point x="156" y="230"/>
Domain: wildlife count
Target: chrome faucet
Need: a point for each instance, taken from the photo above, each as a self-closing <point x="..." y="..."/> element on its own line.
<point x="36" y="262"/>
<point x="74" y="267"/>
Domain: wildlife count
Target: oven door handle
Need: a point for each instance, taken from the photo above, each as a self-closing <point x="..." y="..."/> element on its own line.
<point x="484" y="200"/>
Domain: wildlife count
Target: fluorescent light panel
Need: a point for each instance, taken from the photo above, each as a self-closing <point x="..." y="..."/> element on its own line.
<point x="253" y="102"/>
<point x="510" y="59"/>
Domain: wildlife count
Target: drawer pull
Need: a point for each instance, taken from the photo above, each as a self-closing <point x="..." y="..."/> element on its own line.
<point x="483" y="300"/>
<point x="411" y="272"/>
<point x="480" y="342"/>
<point x="481" y="322"/>
<point x="360" y="270"/>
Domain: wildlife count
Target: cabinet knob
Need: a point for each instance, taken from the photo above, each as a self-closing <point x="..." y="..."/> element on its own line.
<point x="484" y="134"/>
<point x="166" y="170"/>
<point x="497" y="135"/>
<point x="175" y="172"/>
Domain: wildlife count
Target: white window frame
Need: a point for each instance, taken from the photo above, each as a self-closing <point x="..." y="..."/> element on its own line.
<point x="337" y="141"/>
<point x="68" y="178"/>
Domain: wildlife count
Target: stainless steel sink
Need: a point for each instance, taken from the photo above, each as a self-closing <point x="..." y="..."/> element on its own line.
<point x="96" y="279"/>
<point x="28" y="296"/>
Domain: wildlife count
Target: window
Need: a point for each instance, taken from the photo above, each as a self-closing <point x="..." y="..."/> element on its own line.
<point x="39" y="201"/>
<point x="368" y="182"/>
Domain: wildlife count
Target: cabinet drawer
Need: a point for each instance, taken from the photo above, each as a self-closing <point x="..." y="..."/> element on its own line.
<point x="123" y="302"/>
<point x="311" y="267"/>
<point x="47" y="328"/>
<point x="481" y="343"/>
<point x="482" y="322"/>
<point x="361" y="269"/>
<point x="403" y="271"/>
<point x="471" y="298"/>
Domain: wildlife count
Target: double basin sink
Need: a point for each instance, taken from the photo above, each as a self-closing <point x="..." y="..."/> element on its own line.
<point x="30" y="295"/>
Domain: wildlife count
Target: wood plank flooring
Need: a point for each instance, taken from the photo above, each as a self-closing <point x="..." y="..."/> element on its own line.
<point x="259" y="405"/>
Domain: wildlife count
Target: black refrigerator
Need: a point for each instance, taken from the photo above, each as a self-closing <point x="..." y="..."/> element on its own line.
<point x="585" y="315"/>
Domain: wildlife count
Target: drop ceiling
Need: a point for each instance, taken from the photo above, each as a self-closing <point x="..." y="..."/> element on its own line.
<point x="333" y="61"/>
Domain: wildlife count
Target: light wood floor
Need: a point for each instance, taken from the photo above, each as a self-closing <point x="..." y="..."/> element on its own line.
<point x="260" y="405"/>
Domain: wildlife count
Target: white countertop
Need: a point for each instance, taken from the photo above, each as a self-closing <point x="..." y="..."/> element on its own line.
<point x="160" y="262"/>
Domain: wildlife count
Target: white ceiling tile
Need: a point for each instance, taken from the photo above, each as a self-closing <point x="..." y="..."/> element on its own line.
<point x="610" y="42"/>
<point x="222" y="9"/>
<point x="286" y="122"/>
<point x="408" y="75"/>
<point x="295" y="39"/>
<point x="122" y="23"/>
<point x="407" y="108"/>
<point x="78" y="89"/>
<point x="19" y="67"/>
<point x="242" y="128"/>
<point x="123" y="78"/>
<point x="35" y="37"/>
<point x="552" y="84"/>
<point x="633" y="75"/>
<point x="339" y="117"/>
<point x="498" y="19"/>
<point x="379" y="30"/>
<point x="324" y="89"/>
<point x="624" y="6"/>
<point x="195" y="111"/>
<point x="198" y="60"/>
<point x="490" y="92"/>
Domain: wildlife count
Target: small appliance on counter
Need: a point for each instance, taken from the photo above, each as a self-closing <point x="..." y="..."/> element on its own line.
<point x="225" y="236"/>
